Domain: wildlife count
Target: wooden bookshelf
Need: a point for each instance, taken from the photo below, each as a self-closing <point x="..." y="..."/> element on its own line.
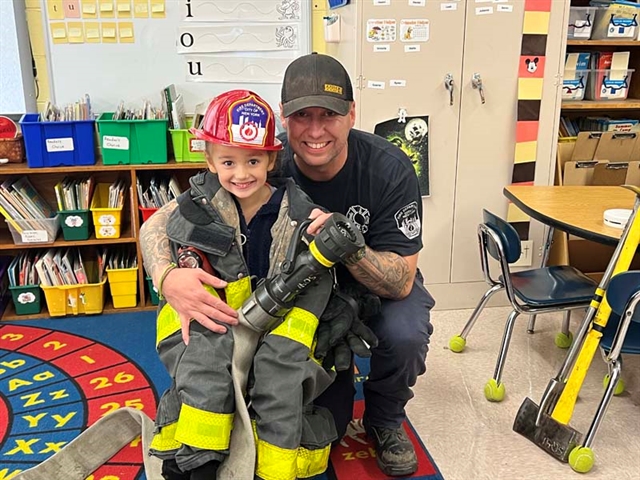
<point x="43" y="180"/>
<point x="628" y="104"/>
<point x="603" y="43"/>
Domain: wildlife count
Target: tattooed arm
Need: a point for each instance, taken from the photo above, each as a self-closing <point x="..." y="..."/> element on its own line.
<point x="182" y="287"/>
<point x="386" y="274"/>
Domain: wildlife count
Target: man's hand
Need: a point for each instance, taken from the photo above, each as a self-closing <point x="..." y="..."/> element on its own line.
<point x="183" y="289"/>
<point x="319" y="219"/>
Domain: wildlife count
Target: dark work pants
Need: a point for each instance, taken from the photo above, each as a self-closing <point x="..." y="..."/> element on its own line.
<point x="403" y="329"/>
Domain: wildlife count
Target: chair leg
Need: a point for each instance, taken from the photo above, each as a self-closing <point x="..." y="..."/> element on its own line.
<point x="532" y="324"/>
<point x="494" y="390"/>
<point x="458" y="342"/>
<point x="616" y="371"/>
<point x="564" y="339"/>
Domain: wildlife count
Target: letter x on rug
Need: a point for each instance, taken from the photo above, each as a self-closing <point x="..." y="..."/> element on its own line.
<point x="58" y="376"/>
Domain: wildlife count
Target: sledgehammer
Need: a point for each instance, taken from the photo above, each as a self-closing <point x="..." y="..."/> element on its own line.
<point x="547" y="425"/>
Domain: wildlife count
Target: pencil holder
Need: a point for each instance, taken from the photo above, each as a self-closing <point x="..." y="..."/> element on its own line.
<point x="123" y="283"/>
<point x="126" y="142"/>
<point x="26" y="299"/>
<point x="106" y="220"/>
<point x="76" y="224"/>
<point x="54" y="144"/>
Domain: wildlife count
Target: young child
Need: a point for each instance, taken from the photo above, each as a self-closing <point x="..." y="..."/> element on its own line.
<point x="237" y="226"/>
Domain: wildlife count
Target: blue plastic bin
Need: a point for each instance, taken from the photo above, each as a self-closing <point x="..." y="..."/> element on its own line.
<point x="54" y="144"/>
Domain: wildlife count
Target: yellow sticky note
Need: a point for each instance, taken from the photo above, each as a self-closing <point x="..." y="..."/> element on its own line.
<point x="92" y="32"/>
<point x="141" y="8"/>
<point x="106" y="9"/>
<point x="125" y="32"/>
<point x="157" y="9"/>
<point x="109" y="32"/>
<point x="530" y="88"/>
<point x="124" y="8"/>
<point x="536" y="23"/>
<point x="55" y="10"/>
<point x="89" y="9"/>
<point x="526" y="152"/>
<point x="75" y="32"/>
<point x="59" y="32"/>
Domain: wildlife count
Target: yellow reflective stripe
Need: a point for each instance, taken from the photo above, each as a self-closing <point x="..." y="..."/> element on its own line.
<point x="313" y="249"/>
<point x="275" y="463"/>
<point x="299" y="325"/>
<point x="167" y="324"/>
<point x="202" y="429"/>
<point x="237" y="292"/>
<point x="165" y="440"/>
<point x="312" y="462"/>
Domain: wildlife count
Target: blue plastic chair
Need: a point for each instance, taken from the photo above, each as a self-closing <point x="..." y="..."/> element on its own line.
<point x="620" y="336"/>
<point x="531" y="292"/>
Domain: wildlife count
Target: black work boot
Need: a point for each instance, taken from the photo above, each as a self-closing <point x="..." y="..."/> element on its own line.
<point x="395" y="454"/>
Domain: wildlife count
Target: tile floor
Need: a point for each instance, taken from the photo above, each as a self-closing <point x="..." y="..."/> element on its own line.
<point x="472" y="439"/>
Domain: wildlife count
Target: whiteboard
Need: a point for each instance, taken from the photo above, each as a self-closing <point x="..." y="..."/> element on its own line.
<point x="134" y="72"/>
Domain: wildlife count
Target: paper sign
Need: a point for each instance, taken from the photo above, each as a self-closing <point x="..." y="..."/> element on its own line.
<point x="106" y="219"/>
<point x="107" y="231"/>
<point x="34" y="236"/>
<point x="504" y="8"/>
<point x="376" y="85"/>
<point x="448" y="6"/>
<point x="125" y="32"/>
<point x="75" y="32"/>
<point x="55" y="10"/>
<point x="89" y="9"/>
<point x="92" y="32"/>
<point x="411" y="48"/>
<point x="59" y="32"/>
<point x="115" y="143"/>
<point x="141" y="8"/>
<point x="71" y="8"/>
<point x="106" y="8"/>
<point x="397" y="83"/>
<point x="157" y="9"/>
<point x="59" y="144"/>
<point x="416" y="3"/>
<point x="196" y="145"/>
<point x="381" y="3"/>
<point x="484" y="10"/>
<point x="109" y="32"/>
<point x="382" y="48"/>
<point x="124" y="8"/>
<point x="414" y="30"/>
<point x="381" y="30"/>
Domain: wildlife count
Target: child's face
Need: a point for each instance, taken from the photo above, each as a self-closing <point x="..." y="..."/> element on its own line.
<point x="240" y="171"/>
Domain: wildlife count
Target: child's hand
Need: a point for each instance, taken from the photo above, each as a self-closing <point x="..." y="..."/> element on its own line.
<point x="194" y="303"/>
<point x="319" y="218"/>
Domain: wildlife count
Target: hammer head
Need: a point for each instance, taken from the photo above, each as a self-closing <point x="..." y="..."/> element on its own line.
<point x="554" y="438"/>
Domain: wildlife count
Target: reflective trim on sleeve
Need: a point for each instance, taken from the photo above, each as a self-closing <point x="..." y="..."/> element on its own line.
<point x="312" y="462"/>
<point x="299" y="325"/>
<point x="165" y="441"/>
<point x="202" y="429"/>
<point x="237" y="292"/>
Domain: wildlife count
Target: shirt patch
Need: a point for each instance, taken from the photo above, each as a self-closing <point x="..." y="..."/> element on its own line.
<point x="408" y="220"/>
<point x="360" y="216"/>
<point x="248" y="123"/>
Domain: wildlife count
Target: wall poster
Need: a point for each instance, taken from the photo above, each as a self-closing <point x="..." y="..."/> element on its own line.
<point x="412" y="137"/>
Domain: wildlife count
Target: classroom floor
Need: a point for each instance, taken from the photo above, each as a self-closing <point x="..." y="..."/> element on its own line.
<point x="471" y="438"/>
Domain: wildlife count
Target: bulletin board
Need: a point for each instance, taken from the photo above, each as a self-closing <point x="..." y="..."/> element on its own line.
<point x="129" y="50"/>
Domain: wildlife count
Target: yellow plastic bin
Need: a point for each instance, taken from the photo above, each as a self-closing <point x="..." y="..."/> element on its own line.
<point x="86" y="299"/>
<point x="123" y="283"/>
<point x="105" y="220"/>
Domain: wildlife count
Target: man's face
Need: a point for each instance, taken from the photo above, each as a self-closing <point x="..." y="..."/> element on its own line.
<point x="318" y="137"/>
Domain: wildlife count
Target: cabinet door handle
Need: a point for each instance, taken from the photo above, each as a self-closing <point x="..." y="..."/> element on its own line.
<point x="448" y="84"/>
<point x="476" y="82"/>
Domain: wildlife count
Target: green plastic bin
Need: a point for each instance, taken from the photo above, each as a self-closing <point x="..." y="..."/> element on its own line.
<point x="155" y="300"/>
<point x="186" y="147"/>
<point x="76" y="224"/>
<point x="136" y="142"/>
<point x="26" y="299"/>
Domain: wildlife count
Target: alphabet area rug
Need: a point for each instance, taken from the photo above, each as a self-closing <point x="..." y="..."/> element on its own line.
<point x="59" y="376"/>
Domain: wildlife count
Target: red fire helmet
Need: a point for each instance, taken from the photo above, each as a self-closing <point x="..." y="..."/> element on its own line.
<point x="239" y="118"/>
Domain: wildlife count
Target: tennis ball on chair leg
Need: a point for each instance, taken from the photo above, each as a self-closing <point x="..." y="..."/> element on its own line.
<point x="457" y="344"/>
<point x="494" y="391"/>
<point x="581" y="459"/>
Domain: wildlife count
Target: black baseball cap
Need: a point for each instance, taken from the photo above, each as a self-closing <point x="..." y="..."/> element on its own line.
<point x="316" y="80"/>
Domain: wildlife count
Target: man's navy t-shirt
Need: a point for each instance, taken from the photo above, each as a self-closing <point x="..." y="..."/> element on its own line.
<point x="377" y="189"/>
